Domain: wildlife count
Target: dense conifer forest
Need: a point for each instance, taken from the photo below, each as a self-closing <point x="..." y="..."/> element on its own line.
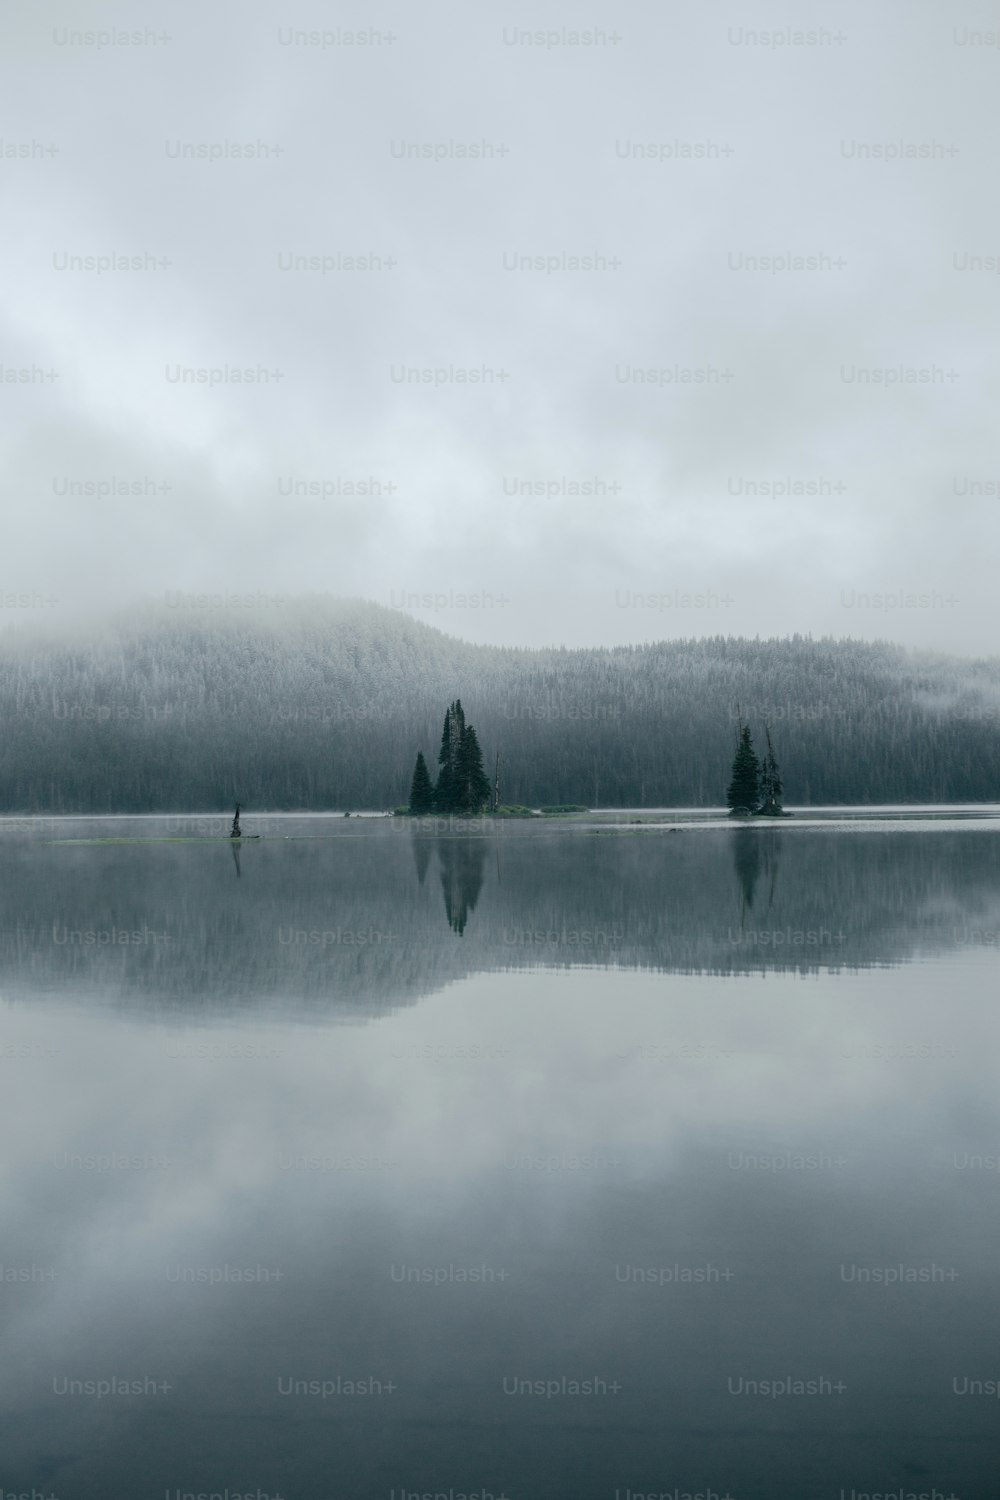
<point x="319" y="704"/>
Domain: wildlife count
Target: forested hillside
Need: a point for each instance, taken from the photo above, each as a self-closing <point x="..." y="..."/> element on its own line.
<point x="320" y="704"/>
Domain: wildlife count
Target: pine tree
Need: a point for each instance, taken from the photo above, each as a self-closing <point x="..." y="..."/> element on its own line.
<point x="743" y="793"/>
<point x="770" y="783"/>
<point x="474" y="788"/>
<point x="421" y="788"/>
<point x="444" y="792"/>
<point x="462" y="786"/>
<point x="764" y="788"/>
<point x="448" y="794"/>
<point x="457" y="736"/>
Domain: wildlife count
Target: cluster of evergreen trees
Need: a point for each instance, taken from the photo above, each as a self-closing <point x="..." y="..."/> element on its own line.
<point x="462" y="786"/>
<point x="756" y="784"/>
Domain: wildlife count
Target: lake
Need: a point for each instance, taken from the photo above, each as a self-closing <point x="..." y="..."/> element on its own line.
<point x="623" y="1155"/>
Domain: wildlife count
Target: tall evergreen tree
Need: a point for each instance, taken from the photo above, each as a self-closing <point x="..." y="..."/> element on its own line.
<point x="743" y="793"/>
<point x="421" y="788"/>
<point x="444" y="792"/>
<point x="764" y="788"/>
<point x="474" y="787"/>
<point x="457" y="736"/>
<point x="770" y="783"/>
<point x="462" y="786"/>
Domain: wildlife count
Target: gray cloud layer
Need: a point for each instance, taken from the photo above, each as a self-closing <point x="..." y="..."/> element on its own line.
<point x="864" y="380"/>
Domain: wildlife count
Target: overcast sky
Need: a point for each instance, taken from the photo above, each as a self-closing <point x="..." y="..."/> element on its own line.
<point x="794" y="146"/>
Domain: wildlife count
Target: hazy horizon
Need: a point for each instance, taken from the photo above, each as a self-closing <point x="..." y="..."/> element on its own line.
<point x="675" y="305"/>
<point x="270" y="608"/>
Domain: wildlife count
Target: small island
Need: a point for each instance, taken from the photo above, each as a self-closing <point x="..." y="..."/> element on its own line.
<point x="755" y="790"/>
<point x="463" y="789"/>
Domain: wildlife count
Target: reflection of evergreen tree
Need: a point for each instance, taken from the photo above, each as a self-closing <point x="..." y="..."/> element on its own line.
<point x="746" y="859"/>
<point x="461" y="878"/>
<point x="421" y="855"/>
<point x="771" y="841"/>
<point x="755" y="853"/>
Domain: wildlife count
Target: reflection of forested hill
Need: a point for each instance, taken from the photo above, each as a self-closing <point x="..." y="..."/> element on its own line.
<point x="363" y="922"/>
<point x="324" y="704"/>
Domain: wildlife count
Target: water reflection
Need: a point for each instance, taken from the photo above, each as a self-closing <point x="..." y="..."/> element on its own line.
<point x="421" y="855"/>
<point x="755" y="853"/>
<point x="462" y="862"/>
<point x="666" y="1192"/>
<point x="746" y="862"/>
<point x="352" y="925"/>
<point x="545" y="1233"/>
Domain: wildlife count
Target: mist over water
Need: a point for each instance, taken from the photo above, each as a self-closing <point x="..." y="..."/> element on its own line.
<point x="547" y="1160"/>
<point x="337" y="918"/>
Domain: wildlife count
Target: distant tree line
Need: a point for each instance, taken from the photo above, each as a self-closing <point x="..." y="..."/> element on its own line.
<point x="322" y="705"/>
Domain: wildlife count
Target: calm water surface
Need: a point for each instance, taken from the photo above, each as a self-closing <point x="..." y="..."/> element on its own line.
<point x="580" y="1159"/>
